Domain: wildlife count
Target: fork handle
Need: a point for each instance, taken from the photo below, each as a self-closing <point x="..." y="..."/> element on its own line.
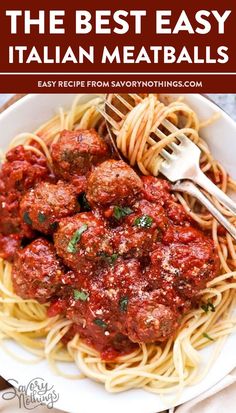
<point x="202" y="180"/>
<point x="190" y="188"/>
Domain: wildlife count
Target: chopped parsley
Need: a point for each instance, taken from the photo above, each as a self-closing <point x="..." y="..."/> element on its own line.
<point x="110" y="259"/>
<point x="123" y="304"/>
<point x="41" y="217"/>
<point x="54" y="226"/>
<point x="76" y="238"/>
<point x="121" y="212"/>
<point x="145" y="221"/>
<point x="84" y="202"/>
<point x="207" y="336"/>
<point x="27" y="218"/>
<point x="100" y="322"/>
<point x="208" y="306"/>
<point x="81" y="295"/>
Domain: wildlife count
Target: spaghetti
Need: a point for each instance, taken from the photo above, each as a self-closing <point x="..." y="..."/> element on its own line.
<point x="163" y="367"/>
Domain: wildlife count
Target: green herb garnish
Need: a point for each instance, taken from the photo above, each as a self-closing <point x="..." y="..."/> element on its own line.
<point x="208" y="306"/>
<point x="80" y="295"/>
<point x="121" y="212"/>
<point x="100" y="322"/>
<point x="76" y="238"/>
<point x="27" y="218"/>
<point x="145" y="221"/>
<point x="207" y="336"/>
<point x="85" y="202"/>
<point x="110" y="259"/>
<point x="82" y="200"/>
<point x="123" y="304"/>
<point x="41" y="217"/>
<point x="54" y="226"/>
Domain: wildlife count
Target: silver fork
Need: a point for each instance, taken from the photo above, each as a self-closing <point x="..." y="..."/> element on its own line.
<point x="181" y="166"/>
<point x="183" y="163"/>
<point x="191" y="189"/>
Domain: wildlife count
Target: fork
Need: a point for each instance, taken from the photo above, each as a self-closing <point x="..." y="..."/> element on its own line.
<point x="183" y="163"/>
<point x="181" y="166"/>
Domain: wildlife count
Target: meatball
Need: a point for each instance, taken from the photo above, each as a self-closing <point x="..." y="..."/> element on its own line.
<point x="77" y="151"/>
<point x="155" y="189"/>
<point x="21" y="171"/>
<point x="43" y="206"/>
<point x="37" y="271"/>
<point x="82" y="241"/>
<point x="113" y="182"/>
<point x="158" y="191"/>
<point x="100" y="303"/>
<point x="149" y="321"/>
<point x="186" y="261"/>
<point x="133" y="241"/>
<point x="140" y="227"/>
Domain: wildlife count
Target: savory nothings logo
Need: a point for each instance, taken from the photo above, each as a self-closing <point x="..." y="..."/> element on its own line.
<point x="32" y="395"/>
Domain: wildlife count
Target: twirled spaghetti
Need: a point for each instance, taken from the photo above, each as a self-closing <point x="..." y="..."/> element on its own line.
<point x="160" y="367"/>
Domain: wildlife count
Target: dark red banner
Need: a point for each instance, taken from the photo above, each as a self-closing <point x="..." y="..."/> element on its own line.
<point x="119" y="45"/>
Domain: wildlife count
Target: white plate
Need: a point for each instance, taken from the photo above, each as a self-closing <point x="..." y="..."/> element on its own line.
<point x="85" y="395"/>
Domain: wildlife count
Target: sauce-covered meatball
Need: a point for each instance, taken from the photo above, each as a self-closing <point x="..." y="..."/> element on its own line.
<point x="37" y="271"/>
<point x="149" y="321"/>
<point x="21" y="171"/>
<point x="43" y="206"/>
<point x="82" y="241"/>
<point x="186" y="260"/>
<point x="138" y="228"/>
<point x="77" y="151"/>
<point x="155" y="189"/>
<point x="113" y="182"/>
<point x="98" y="306"/>
<point x="131" y="241"/>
